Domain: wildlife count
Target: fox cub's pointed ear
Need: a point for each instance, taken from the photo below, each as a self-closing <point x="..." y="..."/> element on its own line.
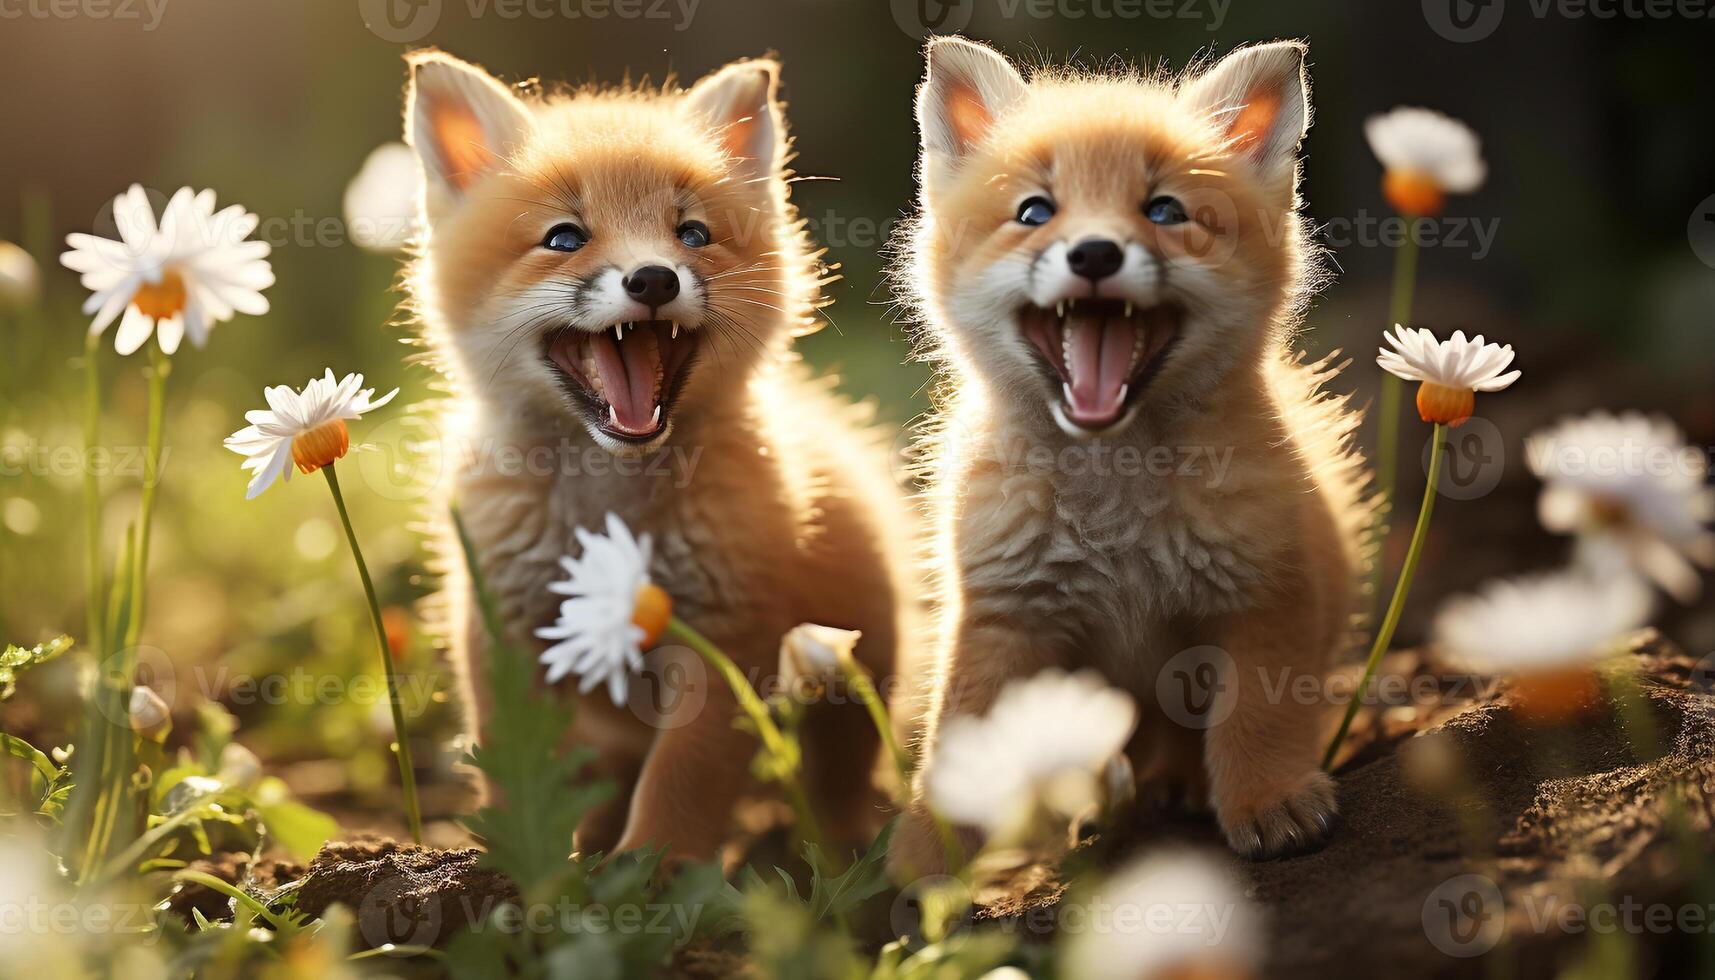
<point x="741" y="103"/>
<point x="462" y="123"/>
<point x="966" y="87"/>
<point x="1259" y="97"/>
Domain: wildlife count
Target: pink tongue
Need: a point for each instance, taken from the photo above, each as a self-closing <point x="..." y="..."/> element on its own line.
<point x="1098" y="359"/>
<point x="627" y="369"/>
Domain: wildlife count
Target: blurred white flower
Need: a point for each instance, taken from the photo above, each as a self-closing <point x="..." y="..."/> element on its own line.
<point x="1632" y="481"/>
<point x="1047" y="740"/>
<point x="613" y="611"/>
<point x="1544" y="623"/>
<point x="150" y="717"/>
<point x="306" y="427"/>
<point x="1426" y="156"/>
<point x="20" y="279"/>
<point x="381" y="202"/>
<point x="1451" y="371"/>
<point x="809" y="652"/>
<point x="1166" y="915"/>
<point x="176" y="278"/>
<point x="239" y="767"/>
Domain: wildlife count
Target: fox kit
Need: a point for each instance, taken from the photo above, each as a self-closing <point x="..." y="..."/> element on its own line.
<point x="1110" y="267"/>
<point x="611" y="280"/>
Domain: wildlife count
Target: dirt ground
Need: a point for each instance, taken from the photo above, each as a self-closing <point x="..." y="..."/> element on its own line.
<point x="1433" y="871"/>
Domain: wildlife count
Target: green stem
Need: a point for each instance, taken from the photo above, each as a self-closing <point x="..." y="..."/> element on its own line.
<point x="1387" y="434"/>
<point x="238" y="895"/>
<point x="92" y="494"/>
<point x="402" y="744"/>
<point x="864" y="688"/>
<point x="860" y="683"/>
<point x="160" y="366"/>
<point x="1400" y="590"/>
<point x="785" y="756"/>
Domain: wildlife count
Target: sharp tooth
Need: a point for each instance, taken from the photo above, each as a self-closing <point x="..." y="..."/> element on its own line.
<point x="613" y="416"/>
<point x="1128" y="308"/>
<point x="1066" y="392"/>
<point x="656" y="420"/>
<point x="618" y="331"/>
<point x="675" y="335"/>
<point x="1060" y="308"/>
<point x="1124" y="390"/>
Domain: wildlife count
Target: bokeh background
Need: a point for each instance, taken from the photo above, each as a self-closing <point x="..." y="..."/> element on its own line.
<point x="1591" y="248"/>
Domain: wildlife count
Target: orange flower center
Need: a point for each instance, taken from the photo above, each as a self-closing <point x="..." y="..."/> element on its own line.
<point x="1449" y="406"/>
<point x="1557" y="697"/>
<point x="163" y="299"/>
<point x="320" y="446"/>
<point x="654" y="607"/>
<point x="1414" y="193"/>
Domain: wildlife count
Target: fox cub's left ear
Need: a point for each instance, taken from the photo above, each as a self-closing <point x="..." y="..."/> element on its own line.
<point x="741" y="103"/>
<point x="1259" y="97"/>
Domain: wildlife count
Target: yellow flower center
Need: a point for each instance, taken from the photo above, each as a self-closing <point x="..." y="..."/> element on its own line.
<point x="1412" y="192"/>
<point x="654" y="607"/>
<point x="320" y="446"/>
<point x="163" y="299"/>
<point x="1449" y="406"/>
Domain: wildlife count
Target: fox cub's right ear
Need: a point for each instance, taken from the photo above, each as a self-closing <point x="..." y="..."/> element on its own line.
<point x="462" y="123"/>
<point x="966" y="87"/>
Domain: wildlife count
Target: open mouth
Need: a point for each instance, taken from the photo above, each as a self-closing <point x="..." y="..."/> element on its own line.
<point x="1105" y="352"/>
<point x="627" y="376"/>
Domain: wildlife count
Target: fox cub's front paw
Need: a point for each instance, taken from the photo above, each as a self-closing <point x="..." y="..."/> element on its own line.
<point x="1280" y="823"/>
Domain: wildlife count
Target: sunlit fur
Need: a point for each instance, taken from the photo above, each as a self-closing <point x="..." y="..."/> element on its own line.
<point x="769" y="498"/>
<point x="1039" y="566"/>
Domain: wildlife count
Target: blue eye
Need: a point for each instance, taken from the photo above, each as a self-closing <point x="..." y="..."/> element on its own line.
<point x="1035" y="211"/>
<point x="694" y="234"/>
<point x="1165" y="211"/>
<point x="565" y="238"/>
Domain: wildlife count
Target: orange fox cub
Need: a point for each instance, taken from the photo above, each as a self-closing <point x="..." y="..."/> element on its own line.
<point x="1110" y="268"/>
<point x="611" y="280"/>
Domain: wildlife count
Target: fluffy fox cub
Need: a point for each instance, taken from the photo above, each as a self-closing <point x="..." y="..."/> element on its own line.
<point x="1110" y="266"/>
<point x="611" y="280"/>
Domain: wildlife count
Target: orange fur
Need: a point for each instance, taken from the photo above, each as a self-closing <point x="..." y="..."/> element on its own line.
<point x="1046" y="564"/>
<point x="770" y="500"/>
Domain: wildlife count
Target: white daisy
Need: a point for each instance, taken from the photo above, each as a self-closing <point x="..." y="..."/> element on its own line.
<point x="1451" y="371"/>
<point x="1426" y="155"/>
<point x="613" y="611"/>
<point x="1166" y="915"/>
<point x="814" y="653"/>
<point x="1630" y="480"/>
<point x="176" y="278"/>
<point x="381" y="202"/>
<point x="1540" y="624"/>
<point x="989" y="771"/>
<point x="304" y="427"/>
<point x="20" y="280"/>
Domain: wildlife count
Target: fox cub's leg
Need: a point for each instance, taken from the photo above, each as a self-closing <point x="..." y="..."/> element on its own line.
<point x="1266" y="783"/>
<point x="985" y="656"/>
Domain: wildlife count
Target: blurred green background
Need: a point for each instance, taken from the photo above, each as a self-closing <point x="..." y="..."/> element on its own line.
<point x="1602" y="168"/>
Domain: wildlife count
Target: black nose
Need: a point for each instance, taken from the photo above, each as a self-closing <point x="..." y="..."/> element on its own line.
<point x="1095" y="258"/>
<point x="653" y="285"/>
